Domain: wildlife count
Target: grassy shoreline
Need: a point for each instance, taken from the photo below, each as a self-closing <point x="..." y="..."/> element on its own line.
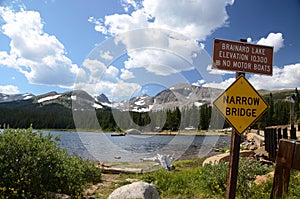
<point x="192" y="180"/>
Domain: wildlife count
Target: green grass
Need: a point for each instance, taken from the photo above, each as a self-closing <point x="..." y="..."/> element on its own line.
<point x="191" y="180"/>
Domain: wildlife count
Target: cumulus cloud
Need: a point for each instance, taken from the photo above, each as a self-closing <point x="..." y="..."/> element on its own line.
<point x="9" y="89"/>
<point x="273" y="39"/>
<point x="126" y="74"/>
<point x="286" y="77"/>
<point x="218" y="71"/>
<point x="106" y="55"/>
<point x="196" y="19"/>
<point x="283" y="78"/>
<point x="221" y="85"/>
<point x="170" y="32"/>
<point x="115" y="91"/>
<point x="38" y="55"/>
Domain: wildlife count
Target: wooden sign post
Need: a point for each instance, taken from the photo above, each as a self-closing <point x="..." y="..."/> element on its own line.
<point x="240" y="104"/>
<point x="233" y="160"/>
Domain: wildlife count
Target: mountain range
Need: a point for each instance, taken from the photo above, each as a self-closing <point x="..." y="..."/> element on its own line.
<point x="181" y="95"/>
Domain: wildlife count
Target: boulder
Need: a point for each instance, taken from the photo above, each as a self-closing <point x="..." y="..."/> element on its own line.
<point x="135" y="190"/>
<point x="263" y="178"/>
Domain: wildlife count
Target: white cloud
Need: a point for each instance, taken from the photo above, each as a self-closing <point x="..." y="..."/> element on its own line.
<point x="157" y="61"/>
<point x="111" y="73"/>
<point x="218" y="71"/>
<point x="115" y="91"/>
<point x="196" y="18"/>
<point x="127" y="4"/>
<point x="273" y="39"/>
<point x="118" y="23"/>
<point x="221" y="85"/>
<point x="286" y="77"/>
<point x="160" y="40"/>
<point x="171" y="32"/>
<point x="9" y="89"/>
<point x="125" y="90"/>
<point x="199" y="82"/>
<point x="36" y="54"/>
<point x="126" y="74"/>
<point x="94" y="69"/>
<point x="283" y="78"/>
<point x="106" y="55"/>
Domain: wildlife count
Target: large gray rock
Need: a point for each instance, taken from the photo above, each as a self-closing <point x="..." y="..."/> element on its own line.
<point x="139" y="189"/>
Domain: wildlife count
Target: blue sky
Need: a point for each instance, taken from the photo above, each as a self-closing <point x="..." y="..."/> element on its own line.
<point x="125" y="47"/>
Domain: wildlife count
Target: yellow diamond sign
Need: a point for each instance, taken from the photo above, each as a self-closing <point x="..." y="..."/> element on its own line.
<point x="241" y="104"/>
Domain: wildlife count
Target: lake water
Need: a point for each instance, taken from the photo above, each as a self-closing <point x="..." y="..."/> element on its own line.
<point x="104" y="147"/>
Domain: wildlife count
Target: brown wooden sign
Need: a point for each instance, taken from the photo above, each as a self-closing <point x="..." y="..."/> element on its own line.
<point x="243" y="57"/>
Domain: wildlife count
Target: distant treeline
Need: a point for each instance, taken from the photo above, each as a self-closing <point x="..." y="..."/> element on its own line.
<point x="279" y="111"/>
<point x="22" y="114"/>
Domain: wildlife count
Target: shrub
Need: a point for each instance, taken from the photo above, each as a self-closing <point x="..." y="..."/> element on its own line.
<point x="32" y="166"/>
<point x="191" y="180"/>
<point x="215" y="177"/>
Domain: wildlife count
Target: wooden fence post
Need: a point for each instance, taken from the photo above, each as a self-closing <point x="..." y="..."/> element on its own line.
<point x="267" y="140"/>
<point x="273" y="144"/>
<point x="279" y="134"/>
<point x="296" y="159"/>
<point x="284" y="161"/>
<point x="284" y="132"/>
<point x="293" y="133"/>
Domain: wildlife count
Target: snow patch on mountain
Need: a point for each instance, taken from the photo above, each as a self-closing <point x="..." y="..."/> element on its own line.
<point x="48" y="98"/>
<point x="27" y="96"/>
<point x="15" y="97"/>
<point x="97" y="106"/>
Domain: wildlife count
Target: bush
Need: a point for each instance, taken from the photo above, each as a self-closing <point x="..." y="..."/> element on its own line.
<point x="32" y="166"/>
<point x="215" y="177"/>
<point x="191" y="180"/>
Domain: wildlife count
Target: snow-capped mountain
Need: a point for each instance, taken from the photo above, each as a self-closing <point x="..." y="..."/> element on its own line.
<point x="77" y="100"/>
<point x="184" y="96"/>
<point x="181" y="96"/>
<point x="15" y="97"/>
<point x="142" y="103"/>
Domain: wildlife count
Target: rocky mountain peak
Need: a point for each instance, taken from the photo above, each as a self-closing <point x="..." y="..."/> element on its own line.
<point x="102" y="99"/>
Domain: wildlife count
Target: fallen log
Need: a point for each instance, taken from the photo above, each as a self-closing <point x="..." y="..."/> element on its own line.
<point x="115" y="170"/>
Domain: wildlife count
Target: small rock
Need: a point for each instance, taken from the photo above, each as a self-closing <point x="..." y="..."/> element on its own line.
<point x="60" y="196"/>
<point x="139" y="189"/>
<point x="131" y="180"/>
<point x="263" y="178"/>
